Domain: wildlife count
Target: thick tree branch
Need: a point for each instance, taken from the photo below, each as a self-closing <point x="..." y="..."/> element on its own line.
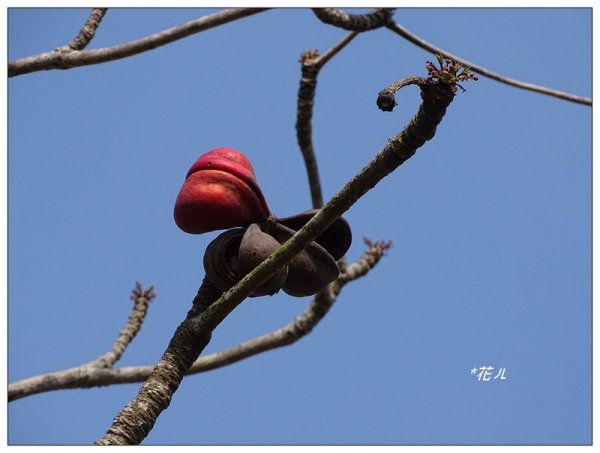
<point x="62" y="58"/>
<point x="397" y="28"/>
<point x="354" y="22"/>
<point x="86" y="34"/>
<point x="137" y="418"/>
<point x="311" y="64"/>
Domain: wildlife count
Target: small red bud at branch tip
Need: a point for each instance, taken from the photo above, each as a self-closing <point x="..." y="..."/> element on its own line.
<point x="378" y="244"/>
<point x="449" y="72"/>
<point x="309" y="55"/>
<point x="139" y="293"/>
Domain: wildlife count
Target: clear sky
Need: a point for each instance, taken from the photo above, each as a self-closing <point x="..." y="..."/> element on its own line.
<point x="491" y="225"/>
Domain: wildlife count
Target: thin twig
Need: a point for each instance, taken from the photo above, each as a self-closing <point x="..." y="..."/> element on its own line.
<point x="59" y="59"/>
<point x="306" y="95"/>
<point x="83" y="376"/>
<point x="311" y="64"/>
<point x="397" y="28"/>
<point x="141" y="298"/>
<point x="86" y="34"/>
<point x="354" y="22"/>
<point x="321" y="60"/>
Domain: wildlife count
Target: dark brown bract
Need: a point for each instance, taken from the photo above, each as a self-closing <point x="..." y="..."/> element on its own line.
<point x="236" y="252"/>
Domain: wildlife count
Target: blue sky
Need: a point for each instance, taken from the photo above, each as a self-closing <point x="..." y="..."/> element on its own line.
<point x="491" y="225"/>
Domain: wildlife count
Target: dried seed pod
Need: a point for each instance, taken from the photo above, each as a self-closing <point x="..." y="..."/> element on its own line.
<point x="255" y="247"/>
<point x="221" y="259"/>
<point x="310" y="270"/>
<point x="336" y="239"/>
<point x="234" y="253"/>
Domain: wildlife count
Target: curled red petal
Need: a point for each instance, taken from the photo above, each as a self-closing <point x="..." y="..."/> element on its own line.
<point x="213" y="199"/>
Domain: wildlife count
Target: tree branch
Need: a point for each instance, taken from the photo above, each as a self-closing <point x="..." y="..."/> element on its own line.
<point x="84" y="375"/>
<point x="397" y="28"/>
<point x="65" y="57"/>
<point x="354" y="22"/>
<point x="86" y="34"/>
<point x="137" y="418"/>
<point x="141" y="298"/>
<point x="311" y="64"/>
<point x="88" y="376"/>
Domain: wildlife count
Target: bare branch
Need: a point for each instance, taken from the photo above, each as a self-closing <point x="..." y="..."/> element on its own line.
<point x="84" y="375"/>
<point x="141" y="298"/>
<point x="77" y="377"/>
<point x="86" y="34"/>
<point x="397" y="28"/>
<point x="311" y="64"/>
<point x="306" y="95"/>
<point x="354" y="22"/>
<point x="88" y="376"/>
<point x="386" y="100"/>
<point x="321" y="60"/>
<point x="64" y="59"/>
